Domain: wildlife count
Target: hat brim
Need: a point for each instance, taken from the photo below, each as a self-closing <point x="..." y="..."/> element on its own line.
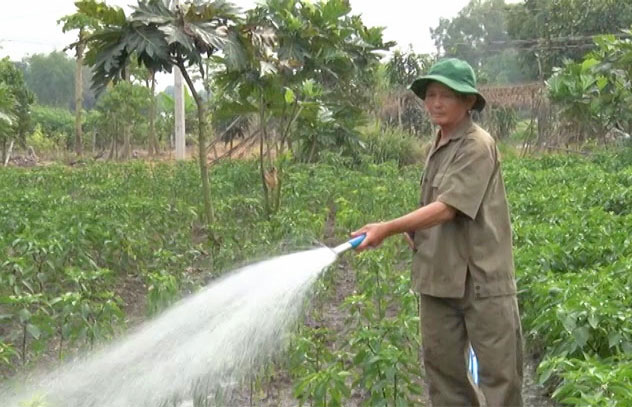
<point x="420" y="85"/>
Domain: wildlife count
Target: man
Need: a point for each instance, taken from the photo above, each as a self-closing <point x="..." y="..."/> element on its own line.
<point x="463" y="264"/>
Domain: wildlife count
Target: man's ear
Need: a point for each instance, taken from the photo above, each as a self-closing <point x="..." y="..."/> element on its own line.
<point x="471" y="101"/>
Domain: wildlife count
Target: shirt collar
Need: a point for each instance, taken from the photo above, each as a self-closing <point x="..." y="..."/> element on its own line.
<point x="466" y="127"/>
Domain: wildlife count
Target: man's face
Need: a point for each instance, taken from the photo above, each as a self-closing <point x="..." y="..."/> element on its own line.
<point x="445" y="106"/>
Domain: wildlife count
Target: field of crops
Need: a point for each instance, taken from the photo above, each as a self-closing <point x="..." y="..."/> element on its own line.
<point x="86" y="251"/>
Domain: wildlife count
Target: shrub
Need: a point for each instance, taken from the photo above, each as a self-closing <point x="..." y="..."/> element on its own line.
<point x="392" y="144"/>
<point x="54" y="123"/>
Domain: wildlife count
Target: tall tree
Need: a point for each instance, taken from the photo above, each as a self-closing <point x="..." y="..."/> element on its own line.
<point x="479" y="35"/>
<point x="308" y="69"/>
<point x="594" y="96"/>
<point x="122" y="106"/>
<point x="7" y="115"/>
<point x="148" y="78"/>
<point x="50" y="77"/>
<point x="548" y="32"/>
<point x="401" y="70"/>
<point x="86" y="19"/>
<point x="12" y="78"/>
<point x="162" y="34"/>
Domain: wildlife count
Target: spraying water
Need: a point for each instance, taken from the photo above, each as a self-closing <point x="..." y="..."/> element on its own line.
<point x="213" y="339"/>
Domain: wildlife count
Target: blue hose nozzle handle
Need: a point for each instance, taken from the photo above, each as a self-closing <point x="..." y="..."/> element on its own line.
<point x="349" y="244"/>
<point x="355" y="242"/>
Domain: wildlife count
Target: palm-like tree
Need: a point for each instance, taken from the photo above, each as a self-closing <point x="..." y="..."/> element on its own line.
<point x="162" y="34"/>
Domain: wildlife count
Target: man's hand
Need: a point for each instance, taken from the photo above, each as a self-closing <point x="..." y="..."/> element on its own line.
<point x="375" y="235"/>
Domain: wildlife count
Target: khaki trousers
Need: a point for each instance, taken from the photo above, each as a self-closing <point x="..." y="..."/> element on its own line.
<point x="492" y="325"/>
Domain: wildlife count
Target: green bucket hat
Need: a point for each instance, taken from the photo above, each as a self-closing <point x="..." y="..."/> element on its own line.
<point x="454" y="73"/>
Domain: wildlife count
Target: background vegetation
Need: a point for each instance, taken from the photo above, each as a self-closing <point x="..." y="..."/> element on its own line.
<point x="338" y="140"/>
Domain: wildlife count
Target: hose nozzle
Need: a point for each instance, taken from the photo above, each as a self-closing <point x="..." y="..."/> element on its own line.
<point x="351" y="244"/>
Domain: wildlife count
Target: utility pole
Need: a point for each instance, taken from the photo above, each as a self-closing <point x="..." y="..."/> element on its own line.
<point x="179" y="113"/>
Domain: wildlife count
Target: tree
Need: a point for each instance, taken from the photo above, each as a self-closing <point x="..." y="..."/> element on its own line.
<point x="123" y="106"/>
<point x="7" y="115"/>
<point x="594" y="95"/>
<point x="165" y="113"/>
<point x="548" y="32"/>
<point x="308" y="65"/>
<point x="148" y="78"/>
<point x="161" y="35"/>
<point x="85" y="22"/>
<point x="55" y="123"/>
<point x="478" y="34"/>
<point x="50" y="77"/>
<point x="13" y="79"/>
<point x="400" y="106"/>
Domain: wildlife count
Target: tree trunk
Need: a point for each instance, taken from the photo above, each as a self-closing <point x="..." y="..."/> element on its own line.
<point x="112" y="154"/>
<point x="4" y="149"/>
<point x="79" y="94"/>
<point x="262" y="167"/>
<point x="312" y="151"/>
<point x="285" y="136"/>
<point x="399" y="111"/>
<point x="206" y="189"/>
<point x="127" y="129"/>
<point x="153" y="143"/>
<point x="8" y="154"/>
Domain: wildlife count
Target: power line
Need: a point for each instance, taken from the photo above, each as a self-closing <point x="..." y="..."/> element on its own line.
<point x="535" y="44"/>
<point x="538" y="41"/>
<point x="27" y="42"/>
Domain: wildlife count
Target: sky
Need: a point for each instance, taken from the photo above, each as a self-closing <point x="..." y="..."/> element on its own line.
<point x="30" y="26"/>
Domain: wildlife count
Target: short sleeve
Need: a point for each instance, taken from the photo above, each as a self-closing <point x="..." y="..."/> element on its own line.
<point x="465" y="181"/>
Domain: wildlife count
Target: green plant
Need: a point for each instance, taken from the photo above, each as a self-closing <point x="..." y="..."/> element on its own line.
<point x="382" y="144"/>
<point x="162" y="291"/>
<point x="7" y="353"/>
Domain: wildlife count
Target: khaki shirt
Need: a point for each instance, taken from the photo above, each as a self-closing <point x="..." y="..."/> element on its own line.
<point x="464" y="173"/>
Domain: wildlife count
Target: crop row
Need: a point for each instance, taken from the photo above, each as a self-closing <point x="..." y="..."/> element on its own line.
<point x="75" y="240"/>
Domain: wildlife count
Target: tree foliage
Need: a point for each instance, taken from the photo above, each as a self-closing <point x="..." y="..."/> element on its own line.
<point x="553" y="31"/>
<point x="594" y="95"/>
<point x="15" y="91"/>
<point x="161" y="34"/>
<point x="479" y="35"/>
<point x="7" y="110"/>
<point x="308" y="69"/>
<point x="404" y="67"/>
<point x="396" y="105"/>
<point x="51" y="78"/>
<point x="124" y="105"/>
<point x="508" y="43"/>
<point x="54" y="123"/>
